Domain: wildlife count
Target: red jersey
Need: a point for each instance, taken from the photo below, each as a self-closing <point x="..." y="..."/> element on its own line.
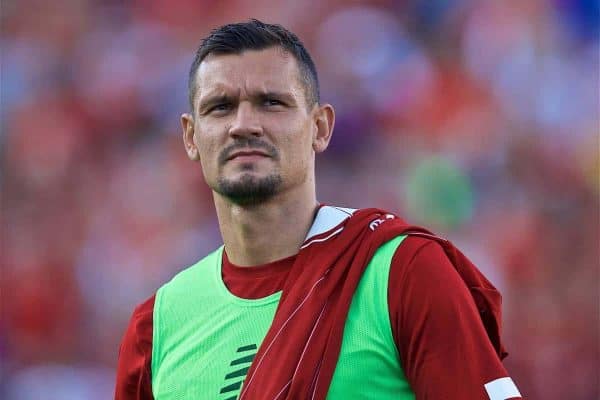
<point x="443" y="347"/>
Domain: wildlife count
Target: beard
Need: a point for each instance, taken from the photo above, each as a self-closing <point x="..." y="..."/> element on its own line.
<point x="249" y="190"/>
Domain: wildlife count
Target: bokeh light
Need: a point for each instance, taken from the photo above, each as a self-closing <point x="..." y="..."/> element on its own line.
<point x="478" y="119"/>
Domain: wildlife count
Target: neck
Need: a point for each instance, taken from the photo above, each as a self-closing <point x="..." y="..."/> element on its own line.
<point x="265" y="232"/>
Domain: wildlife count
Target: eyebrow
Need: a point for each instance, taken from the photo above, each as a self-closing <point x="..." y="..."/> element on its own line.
<point x="213" y="100"/>
<point x="209" y="101"/>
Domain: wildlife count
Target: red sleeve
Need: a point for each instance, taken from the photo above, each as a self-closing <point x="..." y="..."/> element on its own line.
<point x="135" y="355"/>
<point x="444" y="349"/>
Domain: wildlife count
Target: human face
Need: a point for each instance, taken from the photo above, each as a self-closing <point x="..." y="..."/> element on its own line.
<point x="251" y="128"/>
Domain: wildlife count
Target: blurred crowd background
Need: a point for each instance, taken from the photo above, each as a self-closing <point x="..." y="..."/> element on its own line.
<point x="476" y="118"/>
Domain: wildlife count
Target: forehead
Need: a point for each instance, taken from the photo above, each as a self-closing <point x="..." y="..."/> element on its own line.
<point x="271" y="69"/>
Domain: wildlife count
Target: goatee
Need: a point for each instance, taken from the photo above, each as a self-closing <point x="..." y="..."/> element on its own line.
<point x="249" y="190"/>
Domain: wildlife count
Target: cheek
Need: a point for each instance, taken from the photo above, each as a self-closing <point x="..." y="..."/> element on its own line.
<point x="205" y="141"/>
<point x="208" y="161"/>
<point x="299" y="150"/>
<point x="208" y="152"/>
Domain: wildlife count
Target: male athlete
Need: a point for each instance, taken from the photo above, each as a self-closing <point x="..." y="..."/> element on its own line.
<point x="304" y="300"/>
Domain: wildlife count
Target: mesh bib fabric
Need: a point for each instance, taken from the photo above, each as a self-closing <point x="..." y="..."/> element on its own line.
<point x="205" y="338"/>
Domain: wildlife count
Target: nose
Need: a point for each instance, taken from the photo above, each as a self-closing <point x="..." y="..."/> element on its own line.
<point x="246" y="122"/>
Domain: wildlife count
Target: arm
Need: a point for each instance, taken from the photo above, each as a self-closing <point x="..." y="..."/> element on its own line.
<point x="444" y="349"/>
<point x="134" y="380"/>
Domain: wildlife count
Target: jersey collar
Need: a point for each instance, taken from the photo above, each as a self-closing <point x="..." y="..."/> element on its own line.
<point x="328" y="218"/>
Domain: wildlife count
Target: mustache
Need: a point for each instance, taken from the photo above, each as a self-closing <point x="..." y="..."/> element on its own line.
<point x="250" y="143"/>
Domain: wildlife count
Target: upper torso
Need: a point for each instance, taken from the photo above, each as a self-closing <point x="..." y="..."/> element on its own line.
<point x="437" y="337"/>
<point x="205" y="337"/>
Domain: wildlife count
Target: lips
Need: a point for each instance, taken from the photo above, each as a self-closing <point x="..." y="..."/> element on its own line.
<point x="252" y="148"/>
<point x="245" y="153"/>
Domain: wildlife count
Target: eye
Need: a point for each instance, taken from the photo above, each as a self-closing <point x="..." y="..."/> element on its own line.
<point x="273" y="102"/>
<point x="220" y="108"/>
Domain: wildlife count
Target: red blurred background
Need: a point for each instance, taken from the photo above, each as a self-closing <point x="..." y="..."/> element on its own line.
<point x="476" y="118"/>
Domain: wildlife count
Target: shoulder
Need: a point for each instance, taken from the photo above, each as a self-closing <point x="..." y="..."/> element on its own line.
<point x="422" y="275"/>
<point x="139" y="329"/>
<point x="135" y="353"/>
<point x="191" y="275"/>
<point x="136" y="345"/>
<point x="143" y="311"/>
<point x="420" y="253"/>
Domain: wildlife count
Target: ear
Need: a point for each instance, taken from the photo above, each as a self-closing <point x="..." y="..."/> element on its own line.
<point x="187" y="125"/>
<point x="324" y="121"/>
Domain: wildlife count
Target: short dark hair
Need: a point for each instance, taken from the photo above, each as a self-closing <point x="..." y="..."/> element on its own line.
<point x="256" y="35"/>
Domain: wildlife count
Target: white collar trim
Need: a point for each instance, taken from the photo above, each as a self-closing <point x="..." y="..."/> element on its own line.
<point x="328" y="217"/>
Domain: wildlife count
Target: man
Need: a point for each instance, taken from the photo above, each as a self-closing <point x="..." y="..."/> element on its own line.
<point x="304" y="300"/>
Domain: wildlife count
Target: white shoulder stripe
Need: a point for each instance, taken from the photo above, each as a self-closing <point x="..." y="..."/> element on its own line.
<point x="502" y="389"/>
<point x="332" y="234"/>
<point x="328" y="218"/>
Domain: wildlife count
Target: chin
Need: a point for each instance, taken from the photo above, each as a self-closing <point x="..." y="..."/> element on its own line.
<point x="249" y="189"/>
